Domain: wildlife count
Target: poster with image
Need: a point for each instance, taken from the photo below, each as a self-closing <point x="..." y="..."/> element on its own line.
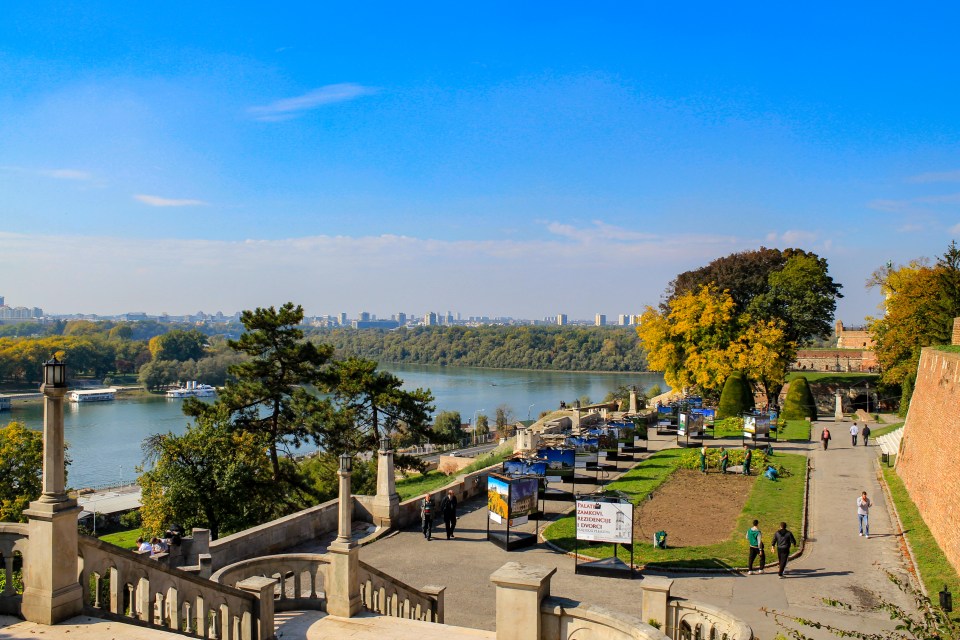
<point x="524" y="467"/>
<point x="600" y="521"/>
<point x="523" y="499"/>
<point x="682" y="424"/>
<point x="498" y="498"/>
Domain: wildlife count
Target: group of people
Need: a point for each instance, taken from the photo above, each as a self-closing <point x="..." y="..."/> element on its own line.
<point x="855" y="431"/>
<point x="448" y="510"/>
<point x="153" y="546"/>
<point x="725" y="460"/>
<point x="784" y="540"/>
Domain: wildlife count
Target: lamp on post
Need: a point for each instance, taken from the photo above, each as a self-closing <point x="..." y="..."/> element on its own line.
<point x="54" y="374"/>
<point x="946" y="599"/>
<point x="346" y="462"/>
<point x="384" y="443"/>
<point x="868" y="397"/>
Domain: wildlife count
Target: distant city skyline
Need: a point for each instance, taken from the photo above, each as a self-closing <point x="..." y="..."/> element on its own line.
<point x="494" y="159"/>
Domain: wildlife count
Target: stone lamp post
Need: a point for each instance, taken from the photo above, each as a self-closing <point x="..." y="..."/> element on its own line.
<point x="343" y="576"/>
<point x="52" y="593"/>
<point x="386" y="504"/>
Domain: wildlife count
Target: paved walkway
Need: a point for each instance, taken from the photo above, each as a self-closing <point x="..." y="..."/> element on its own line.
<point x="315" y="625"/>
<point x="837" y="562"/>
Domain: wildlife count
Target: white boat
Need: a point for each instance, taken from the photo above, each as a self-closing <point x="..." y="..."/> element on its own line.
<point x="192" y="390"/>
<point x="92" y="395"/>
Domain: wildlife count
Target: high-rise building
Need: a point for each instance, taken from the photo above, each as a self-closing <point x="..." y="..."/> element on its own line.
<point x="401" y="319"/>
<point x="600" y="320"/>
<point x="1" y="301"/>
<point x="561" y="319"/>
<point x="430" y="319"/>
<point x="342" y="319"/>
<point x="364" y="316"/>
<point x="624" y="319"/>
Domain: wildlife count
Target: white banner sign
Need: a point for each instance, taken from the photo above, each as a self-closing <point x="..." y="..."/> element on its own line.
<point x="604" y="521"/>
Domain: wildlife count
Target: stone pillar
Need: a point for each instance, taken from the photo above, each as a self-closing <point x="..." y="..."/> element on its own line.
<point x="51" y="590"/>
<point x="955" y="338"/>
<point x="386" y="504"/>
<point x="343" y="572"/>
<point x="656" y="595"/>
<point x="437" y="592"/>
<point x="263" y="589"/>
<point x="633" y="401"/>
<point x="520" y="590"/>
<point x="838" y="412"/>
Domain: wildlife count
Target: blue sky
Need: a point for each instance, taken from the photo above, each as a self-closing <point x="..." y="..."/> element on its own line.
<point x="482" y="158"/>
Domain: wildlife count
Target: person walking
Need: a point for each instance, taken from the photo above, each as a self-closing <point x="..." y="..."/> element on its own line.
<point x="448" y="509"/>
<point x="755" y="540"/>
<point x="724" y="460"/>
<point x="703" y="459"/>
<point x="426" y="516"/>
<point x="854" y="430"/>
<point x="825" y="438"/>
<point x="866" y="434"/>
<point x="863" y="514"/>
<point x="783" y="540"/>
<point x="747" y="459"/>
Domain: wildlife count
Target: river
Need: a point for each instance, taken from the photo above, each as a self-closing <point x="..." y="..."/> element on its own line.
<point x="104" y="438"/>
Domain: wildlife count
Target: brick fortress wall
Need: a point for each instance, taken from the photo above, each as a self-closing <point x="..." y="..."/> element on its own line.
<point x="930" y="453"/>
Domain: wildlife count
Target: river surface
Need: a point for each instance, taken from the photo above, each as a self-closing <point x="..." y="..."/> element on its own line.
<point x="104" y="438"/>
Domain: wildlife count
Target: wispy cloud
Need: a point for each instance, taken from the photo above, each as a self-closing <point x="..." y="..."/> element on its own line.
<point x="66" y="174"/>
<point x="157" y="201"/>
<point x="599" y="232"/>
<point x="937" y="176"/>
<point x="288" y="108"/>
<point x="792" y="236"/>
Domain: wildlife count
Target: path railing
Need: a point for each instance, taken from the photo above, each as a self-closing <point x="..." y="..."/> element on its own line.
<point x="388" y="596"/>
<point x="125" y="586"/>
<point x="14" y="538"/>
<point x="301" y="578"/>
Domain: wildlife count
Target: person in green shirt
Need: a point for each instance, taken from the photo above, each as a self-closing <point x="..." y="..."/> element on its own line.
<point x="755" y="540"/>
<point x="703" y="459"/>
<point x="747" y="457"/>
<point x="724" y="460"/>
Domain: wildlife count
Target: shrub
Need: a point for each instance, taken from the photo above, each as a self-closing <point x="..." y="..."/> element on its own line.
<point x="799" y="402"/>
<point x="130" y="519"/>
<point x="733" y="398"/>
<point x="906" y="393"/>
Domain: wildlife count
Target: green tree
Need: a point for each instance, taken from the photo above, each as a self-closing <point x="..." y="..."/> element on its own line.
<point x="21" y="467"/>
<point x="212" y="476"/>
<point x="448" y="425"/>
<point x="367" y="404"/>
<point x="733" y="398"/>
<point x="178" y="344"/>
<point x="799" y="403"/>
<point x="268" y="397"/>
<point x="483" y="425"/>
<point x="159" y="373"/>
<point x="503" y="418"/>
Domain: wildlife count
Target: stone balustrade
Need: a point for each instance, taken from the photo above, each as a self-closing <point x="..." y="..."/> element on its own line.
<point x="14" y="539"/>
<point x="128" y="587"/>
<point x="562" y="618"/>
<point x="388" y="596"/>
<point x="301" y="578"/>
<point x="691" y="620"/>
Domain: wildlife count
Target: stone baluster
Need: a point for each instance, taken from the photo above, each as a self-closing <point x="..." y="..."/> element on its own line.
<point x="520" y="590"/>
<point x="8" y="574"/>
<point x="263" y="589"/>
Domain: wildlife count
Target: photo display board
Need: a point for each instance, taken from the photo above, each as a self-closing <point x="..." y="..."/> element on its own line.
<point x="525" y="467"/>
<point x="604" y="521"/>
<point x="498" y="498"/>
<point x="523" y="499"/>
<point x="682" y="424"/>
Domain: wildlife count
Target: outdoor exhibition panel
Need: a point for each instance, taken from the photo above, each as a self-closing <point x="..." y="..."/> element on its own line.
<point x="605" y="518"/>
<point x="560" y="463"/>
<point x="690" y="429"/>
<point x="760" y="427"/>
<point x="510" y="504"/>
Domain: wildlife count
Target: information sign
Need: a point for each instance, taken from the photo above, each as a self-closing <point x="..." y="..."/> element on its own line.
<point x="599" y="521"/>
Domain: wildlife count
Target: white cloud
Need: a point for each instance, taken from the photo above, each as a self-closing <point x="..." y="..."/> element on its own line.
<point x="955" y="229"/>
<point x="599" y="232"/>
<point x="792" y="236"/>
<point x="66" y="174"/>
<point x="288" y="108"/>
<point x="938" y="176"/>
<point x="157" y="201"/>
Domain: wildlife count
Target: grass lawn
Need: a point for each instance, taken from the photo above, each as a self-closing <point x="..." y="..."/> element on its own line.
<point x="795" y="430"/>
<point x="769" y="502"/>
<point x="125" y="539"/>
<point x="935" y="570"/>
<point x="419" y="484"/>
<point x="833" y="377"/>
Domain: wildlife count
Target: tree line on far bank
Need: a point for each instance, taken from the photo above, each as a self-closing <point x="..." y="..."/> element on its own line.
<point x="524" y="347"/>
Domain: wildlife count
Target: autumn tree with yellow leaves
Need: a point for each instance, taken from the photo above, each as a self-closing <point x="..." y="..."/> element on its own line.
<point x="770" y="302"/>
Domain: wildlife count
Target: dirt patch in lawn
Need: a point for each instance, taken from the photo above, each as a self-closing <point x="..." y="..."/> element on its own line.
<point x="694" y="509"/>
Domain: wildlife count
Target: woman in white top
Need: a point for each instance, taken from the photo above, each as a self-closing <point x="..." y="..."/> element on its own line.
<point x="863" y="514"/>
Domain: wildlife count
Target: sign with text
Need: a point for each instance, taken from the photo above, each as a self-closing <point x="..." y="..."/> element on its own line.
<point x="599" y="521"/>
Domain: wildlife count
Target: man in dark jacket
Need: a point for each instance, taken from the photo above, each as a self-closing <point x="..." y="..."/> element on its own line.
<point x="448" y="508"/>
<point x="426" y="516"/>
<point x="783" y="540"/>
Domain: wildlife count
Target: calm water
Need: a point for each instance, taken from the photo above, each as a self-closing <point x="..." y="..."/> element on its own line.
<point x="105" y="437"/>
